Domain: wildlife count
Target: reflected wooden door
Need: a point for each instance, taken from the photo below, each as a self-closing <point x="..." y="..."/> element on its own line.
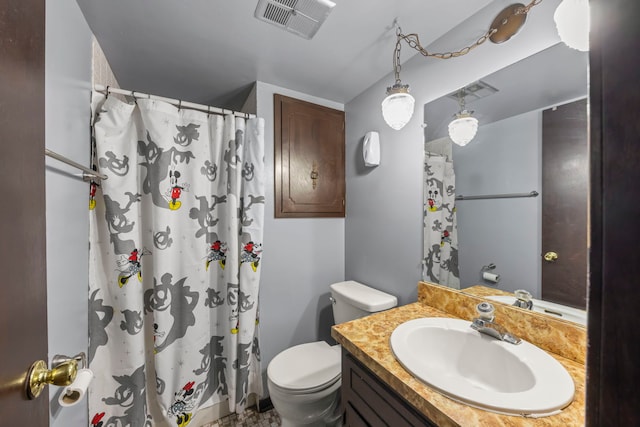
<point x="23" y="305"/>
<point x="565" y="176"/>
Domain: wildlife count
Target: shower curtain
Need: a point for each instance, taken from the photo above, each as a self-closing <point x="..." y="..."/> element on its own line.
<point x="440" y="262"/>
<point x="175" y="262"/>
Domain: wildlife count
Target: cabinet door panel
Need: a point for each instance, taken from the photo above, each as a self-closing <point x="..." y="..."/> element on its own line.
<point x="373" y="401"/>
<point x="353" y="418"/>
<point x="309" y="159"/>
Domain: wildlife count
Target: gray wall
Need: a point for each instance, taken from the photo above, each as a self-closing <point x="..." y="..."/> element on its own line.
<point x="302" y="257"/>
<point x="504" y="157"/>
<point x="68" y="76"/>
<point x="383" y="228"/>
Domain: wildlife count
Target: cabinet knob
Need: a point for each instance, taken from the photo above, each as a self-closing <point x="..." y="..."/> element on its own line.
<point x="550" y="256"/>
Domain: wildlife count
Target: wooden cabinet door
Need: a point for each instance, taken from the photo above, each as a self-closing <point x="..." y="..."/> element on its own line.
<point x="309" y="159"/>
<point x="368" y="401"/>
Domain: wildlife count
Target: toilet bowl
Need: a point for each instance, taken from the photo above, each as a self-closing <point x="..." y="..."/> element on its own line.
<point x="304" y="381"/>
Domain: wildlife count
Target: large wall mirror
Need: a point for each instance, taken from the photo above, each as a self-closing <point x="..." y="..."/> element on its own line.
<point x="532" y="139"/>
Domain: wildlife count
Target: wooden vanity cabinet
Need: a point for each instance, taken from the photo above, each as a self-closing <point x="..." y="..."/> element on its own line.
<point x="367" y="401"/>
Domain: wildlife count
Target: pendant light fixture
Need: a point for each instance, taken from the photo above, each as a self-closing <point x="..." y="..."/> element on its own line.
<point x="397" y="106"/>
<point x="573" y="21"/>
<point x="464" y="127"/>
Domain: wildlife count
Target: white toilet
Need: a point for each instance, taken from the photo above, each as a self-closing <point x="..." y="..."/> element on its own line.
<point x="304" y="381"/>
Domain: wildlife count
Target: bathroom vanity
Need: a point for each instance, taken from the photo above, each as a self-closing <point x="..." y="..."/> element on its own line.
<point x="377" y="390"/>
<point x="368" y="401"/>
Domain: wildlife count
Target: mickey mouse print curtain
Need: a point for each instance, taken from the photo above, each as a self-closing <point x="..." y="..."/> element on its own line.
<point x="175" y="262"/>
<point x="440" y="262"/>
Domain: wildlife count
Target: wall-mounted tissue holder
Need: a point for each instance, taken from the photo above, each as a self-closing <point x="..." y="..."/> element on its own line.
<point x="80" y="358"/>
<point x="487" y="275"/>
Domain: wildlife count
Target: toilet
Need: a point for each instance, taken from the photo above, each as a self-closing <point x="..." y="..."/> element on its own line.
<point x="304" y="380"/>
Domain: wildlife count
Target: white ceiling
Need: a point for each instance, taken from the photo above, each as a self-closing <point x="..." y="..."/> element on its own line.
<point x="211" y="51"/>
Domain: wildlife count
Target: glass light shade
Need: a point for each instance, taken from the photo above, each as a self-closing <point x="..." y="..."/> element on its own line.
<point x="463" y="128"/>
<point x="397" y="109"/>
<point x="573" y="22"/>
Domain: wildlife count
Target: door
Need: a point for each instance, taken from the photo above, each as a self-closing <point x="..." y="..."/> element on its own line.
<point x="565" y="179"/>
<point x="23" y="303"/>
<point x="614" y="262"/>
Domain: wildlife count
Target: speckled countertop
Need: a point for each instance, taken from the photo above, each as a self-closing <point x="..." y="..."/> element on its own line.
<point x="368" y="340"/>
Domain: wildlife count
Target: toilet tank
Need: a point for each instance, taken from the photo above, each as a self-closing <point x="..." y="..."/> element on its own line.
<point x="352" y="300"/>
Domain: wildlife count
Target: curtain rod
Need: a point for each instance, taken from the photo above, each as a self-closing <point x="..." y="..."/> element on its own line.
<point x="498" y="196"/>
<point x="87" y="174"/>
<point x="177" y="102"/>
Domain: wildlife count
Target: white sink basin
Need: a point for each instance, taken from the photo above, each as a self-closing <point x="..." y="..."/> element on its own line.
<point x="558" y="311"/>
<point x="482" y="371"/>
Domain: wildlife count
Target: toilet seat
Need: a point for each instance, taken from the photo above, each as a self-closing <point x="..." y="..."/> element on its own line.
<point x="306" y="368"/>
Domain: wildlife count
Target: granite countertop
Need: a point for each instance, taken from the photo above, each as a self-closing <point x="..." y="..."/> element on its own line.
<point x="368" y="340"/>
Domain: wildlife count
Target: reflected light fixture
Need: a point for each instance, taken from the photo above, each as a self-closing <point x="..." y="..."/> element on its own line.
<point x="397" y="106"/>
<point x="464" y="127"/>
<point x="573" y="22"/>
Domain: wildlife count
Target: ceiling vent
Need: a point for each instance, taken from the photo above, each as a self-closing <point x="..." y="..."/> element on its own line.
<point x="473" y="92"/>
<point x="300" y="17"/>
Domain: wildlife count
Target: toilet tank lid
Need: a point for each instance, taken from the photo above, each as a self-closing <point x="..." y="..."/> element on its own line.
<point x="363" y="297"/>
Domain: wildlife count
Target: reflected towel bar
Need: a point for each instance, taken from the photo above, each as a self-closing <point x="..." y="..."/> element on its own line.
<point x="499" y="196"/>
<point x="87" y="174"/>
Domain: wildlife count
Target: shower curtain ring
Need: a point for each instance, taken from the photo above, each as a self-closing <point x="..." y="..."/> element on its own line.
<point x="107" y="92"/>
<point x="208" y="111"/>
<point x="180" y="105"/>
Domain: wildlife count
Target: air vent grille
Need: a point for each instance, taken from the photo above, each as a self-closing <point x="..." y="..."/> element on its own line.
<point x="301" y="17"/>
<point x="289" y="3"/>
<point x="473" y="92"/>
<point x="277" y="14"/>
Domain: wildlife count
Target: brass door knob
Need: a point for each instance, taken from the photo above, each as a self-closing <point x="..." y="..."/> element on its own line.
<point x="39" y="376"/>
<point x="550" y="256"/>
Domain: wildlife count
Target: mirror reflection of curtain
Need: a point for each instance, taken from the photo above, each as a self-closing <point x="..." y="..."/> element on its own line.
<point x="440" y="262"/>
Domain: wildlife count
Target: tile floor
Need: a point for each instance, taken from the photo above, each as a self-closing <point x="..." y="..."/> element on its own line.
<point x="250" y="418"/>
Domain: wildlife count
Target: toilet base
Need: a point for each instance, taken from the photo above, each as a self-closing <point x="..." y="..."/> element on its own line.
<point x="319" y="409"/>
<point x="333" y="421"/>
<point x="316" y="424"/>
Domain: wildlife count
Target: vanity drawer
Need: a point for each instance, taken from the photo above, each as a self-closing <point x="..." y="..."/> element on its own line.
<point x="370" y="402"/>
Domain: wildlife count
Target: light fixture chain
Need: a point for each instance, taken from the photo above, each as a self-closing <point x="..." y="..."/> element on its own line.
<point x="397" y="66"/>
<point x="527" y="8"/>
<point x="414" y="41"/>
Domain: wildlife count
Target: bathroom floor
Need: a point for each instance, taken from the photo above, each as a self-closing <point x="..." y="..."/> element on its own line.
<point x="250" y="418"/>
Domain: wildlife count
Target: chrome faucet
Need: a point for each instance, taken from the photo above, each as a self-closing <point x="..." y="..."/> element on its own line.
<point x="485" y="324"/>
<point x="523" y="299"/>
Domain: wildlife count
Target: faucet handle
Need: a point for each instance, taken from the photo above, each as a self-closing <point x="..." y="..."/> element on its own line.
<point x="485" y="311"/>
<point x="523" y="299"/>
